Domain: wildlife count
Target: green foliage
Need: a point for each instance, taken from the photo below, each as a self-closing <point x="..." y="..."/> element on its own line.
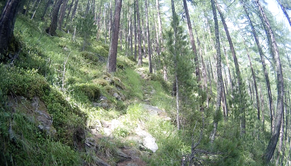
<point x="86" y="91"/>
<point x="132" y="82"/>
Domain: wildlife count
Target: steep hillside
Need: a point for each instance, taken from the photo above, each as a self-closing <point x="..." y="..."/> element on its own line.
<point x="60" y="107"/>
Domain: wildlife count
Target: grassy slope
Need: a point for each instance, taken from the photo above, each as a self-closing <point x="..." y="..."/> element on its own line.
<point x="70" y="96"/>
<point x="69" y="81"/>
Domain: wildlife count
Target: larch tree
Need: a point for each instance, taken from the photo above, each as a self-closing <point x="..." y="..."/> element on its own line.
<point x="7" y="21"/>
<point x="284" y="11"/>
<point x="237" y="70"/>
<point x="280" y="89"/>
<point x="111" y="65"/>
<point x="139" y="35"/>
<point x="54" y="20"/>
<point x="148" y="37"/>
<point x="262" y="56"/>
<point x="192" y="41"/>
<point x="219" y="73"/>
<point x="176" y="81"/>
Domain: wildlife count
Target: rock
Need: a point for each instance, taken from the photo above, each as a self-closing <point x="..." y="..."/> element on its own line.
<point x="42" y="117"/>
<point x="117" y="96"/>
<point x="152" y="109"/>
<point x="121" y="156"/>
<point x="90" y="142"/>
<point x="99" y="161"/>
<point x="148" y="140"/>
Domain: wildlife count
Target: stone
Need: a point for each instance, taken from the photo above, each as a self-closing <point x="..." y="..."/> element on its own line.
<point x="117" y="96"/>
<point x="42" y="117"/>
<point x="147" y="139"/>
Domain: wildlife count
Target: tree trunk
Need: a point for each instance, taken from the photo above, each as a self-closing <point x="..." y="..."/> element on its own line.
<point x="74" y="10"/>
<point x="228" y="69"/>
<point x="54" y="21"/>
<point x="135" y="31"/>
<point x="256" y="88"/>
<point x="139" y="34"/>
<point x="69" y="12"/>
<point x="35" y="7"/>
<point x="264" y="67"/>
<point x="174" y="25"/>
<point x="280" y="90"/>
<point x="62" y="13"/>
<point x="7" y="21"/>
<point x="45" y="9"/>
<point x="111" y="66"/>
<point x="237" y="70"/>
<point x="219" y="73"/>
<point x="285" y="12"/>
<point x="148" y="35"/>
<point x="197" y="72"/>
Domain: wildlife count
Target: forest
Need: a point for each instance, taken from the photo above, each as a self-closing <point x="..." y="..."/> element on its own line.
<point x="145" y="82"/>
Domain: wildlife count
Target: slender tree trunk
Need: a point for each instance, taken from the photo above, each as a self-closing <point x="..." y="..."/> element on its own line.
<point x="280" y="90"/>
<point x="62" y="13"/>
<point x="35" y="7"/>
<point x="262" y="107"/>
<point x="174" y="25"/>
<point x="135" y="31"/>
<point x="237" y="70"/>
<point x="139" y="35"/>
<point x="197" y="72"/>
<point x="264" y="68"/>
<point x="111" y="66"/>
<point x="285" y="12"/>
<point x="225" y="102"/>
<point x="148" y="35"/>
<point x="74" y="9"/>
<point x="256" y="88"/>
<point x="130" y="35"/>
<point x="219" y="73"/>
<point x="228" y="69"/>
<point x="45" y="9"/>
<point x="7" y="21"/>
<point x="54" y="21"/>
<point x="280" y="146"/>
<point x="69" y="12"/>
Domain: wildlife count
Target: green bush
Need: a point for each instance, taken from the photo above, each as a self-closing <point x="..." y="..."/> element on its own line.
<point x="87" y="91"/>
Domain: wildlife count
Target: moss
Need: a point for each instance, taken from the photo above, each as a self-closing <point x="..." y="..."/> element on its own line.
<point x="100" y="82"/>
<point x="101" y="50"/>
<point x="91" y="91"/>
<point x="90" y="56"/>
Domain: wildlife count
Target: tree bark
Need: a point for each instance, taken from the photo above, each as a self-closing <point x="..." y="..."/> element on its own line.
<point x="280" y="90"/>
<point x="219" y="73"/>
<point x="74" y="9"/>
<point x="174" y="25"/>
<point x="148" y="35"/>
<point x="139" y="34"/>
<point x="62" y="13"/>
<point x="256" y="87"/>
<point x="54" y="21"/>
<point x="135" y="32"/>
<point x="69" y="12"/>
<point x="7" y="21"/>
<point x="228" y="69"/>
<point x="111" y="66"/>
<point x="194" y="49"/>
<point x="285" y="12"/>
